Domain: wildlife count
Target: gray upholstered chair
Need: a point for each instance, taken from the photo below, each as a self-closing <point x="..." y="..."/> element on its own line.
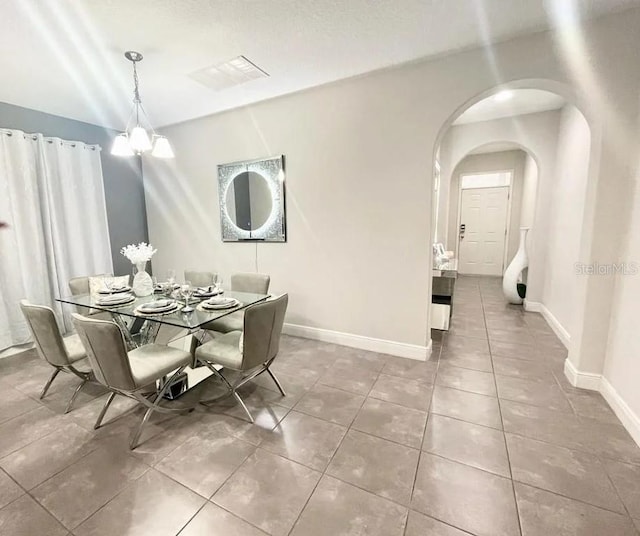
<point x="199" y="279"/>
<point x="63" y="353"/>
<point x="80" y="285"/>
<point x="242" y="282"/>
<point x="130" y="373"/>
<point x="250" y="282"/>
<point x="260" y="344"/>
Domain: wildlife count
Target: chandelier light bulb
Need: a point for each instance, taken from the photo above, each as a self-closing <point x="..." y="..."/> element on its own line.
<point x="162" y="148"/>
<point x="121" y="146"/>
<point x="139" y="140"/>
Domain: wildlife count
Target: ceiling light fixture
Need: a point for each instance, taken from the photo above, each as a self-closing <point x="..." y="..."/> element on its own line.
<point x="503" y="96"/>
<point x="135" y="139"/>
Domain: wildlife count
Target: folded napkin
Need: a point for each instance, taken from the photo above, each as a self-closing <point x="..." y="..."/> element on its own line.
<point x="205" y="290"/>
<point x="219" y="300"/>
<point x="155" y="305"/>
<point x="114" y="298"/>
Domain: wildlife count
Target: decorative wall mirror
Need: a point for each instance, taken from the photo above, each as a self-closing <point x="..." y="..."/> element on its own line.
<point x="252" y="203"/>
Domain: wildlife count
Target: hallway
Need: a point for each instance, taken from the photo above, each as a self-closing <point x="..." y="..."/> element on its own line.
<point x="572" y="466"/>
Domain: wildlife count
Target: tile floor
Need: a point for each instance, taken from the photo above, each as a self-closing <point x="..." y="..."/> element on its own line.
<point x="486" y="438"/>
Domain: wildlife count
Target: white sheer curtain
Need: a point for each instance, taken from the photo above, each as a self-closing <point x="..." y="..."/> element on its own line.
<point x="52" y="197"/>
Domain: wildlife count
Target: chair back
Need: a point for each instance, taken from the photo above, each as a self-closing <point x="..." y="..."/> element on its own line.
<point x="90" y="284"/>
<point x="249" y="282"/>
<point x="262" y="329"/>
<point x="107" y="352"/>
<point x="79" y="285"/>
<point x="199" y="279"/>
<point x="46" y="334"/>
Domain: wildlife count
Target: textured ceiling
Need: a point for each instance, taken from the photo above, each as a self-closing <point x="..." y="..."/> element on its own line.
<point x="65" y="56"/>
<point x="522" y="101"/>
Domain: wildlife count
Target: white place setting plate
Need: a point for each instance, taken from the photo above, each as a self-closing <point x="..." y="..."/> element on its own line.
<point x="220" y="303"/>
<point x="157" y="307"/>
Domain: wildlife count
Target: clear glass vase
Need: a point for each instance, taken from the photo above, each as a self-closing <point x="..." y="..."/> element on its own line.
<point x="142" y="283"/>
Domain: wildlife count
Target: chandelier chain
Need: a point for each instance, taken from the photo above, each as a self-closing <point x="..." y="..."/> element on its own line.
<point x="136" y="92"/>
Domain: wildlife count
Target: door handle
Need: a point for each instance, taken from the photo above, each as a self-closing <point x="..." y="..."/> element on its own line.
<point x="462" y="229"/>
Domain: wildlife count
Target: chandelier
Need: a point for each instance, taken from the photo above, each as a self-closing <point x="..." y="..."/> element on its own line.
<point x="135" y="139"/>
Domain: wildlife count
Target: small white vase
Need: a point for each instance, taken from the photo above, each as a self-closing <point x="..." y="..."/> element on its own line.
<point x="513" y="275"/>
<point x="142" y="283"/>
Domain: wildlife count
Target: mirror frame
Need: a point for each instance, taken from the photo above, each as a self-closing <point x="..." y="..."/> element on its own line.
<point x="272" y="170"/>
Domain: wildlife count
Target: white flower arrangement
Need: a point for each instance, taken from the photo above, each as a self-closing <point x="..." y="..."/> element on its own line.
<point x="138" y="253"/>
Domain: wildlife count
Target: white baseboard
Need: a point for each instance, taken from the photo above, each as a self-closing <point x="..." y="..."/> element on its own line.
<point x="584" y="380"/>
<point x="629" y="419"/>
<point x="597" y="382"/>
<point x="400" y="349"/>
<point x="556" y="326"/>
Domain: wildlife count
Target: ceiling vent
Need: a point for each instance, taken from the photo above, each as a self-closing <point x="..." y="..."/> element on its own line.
<point x="228" y="74"/>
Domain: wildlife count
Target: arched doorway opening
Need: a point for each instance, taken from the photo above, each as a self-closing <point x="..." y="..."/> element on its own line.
<point x="544" y="130"/>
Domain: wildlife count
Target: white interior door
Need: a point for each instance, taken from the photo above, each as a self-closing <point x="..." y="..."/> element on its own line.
<point x="482" y="230"/>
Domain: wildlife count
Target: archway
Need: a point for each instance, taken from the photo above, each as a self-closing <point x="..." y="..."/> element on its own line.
<point x="527" y="136"/>
<point x="517" y="161"/>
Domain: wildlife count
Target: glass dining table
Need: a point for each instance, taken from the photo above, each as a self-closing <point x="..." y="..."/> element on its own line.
<point x="143" y="328"/>
<point x="139" y="328"/>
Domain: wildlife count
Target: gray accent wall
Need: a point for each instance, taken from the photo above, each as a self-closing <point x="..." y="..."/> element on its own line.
<point x="123" y="186"/>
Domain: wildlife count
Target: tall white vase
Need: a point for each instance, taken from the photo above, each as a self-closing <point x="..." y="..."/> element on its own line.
<point x="514" y="272"/>
<point x="142" y="282"/>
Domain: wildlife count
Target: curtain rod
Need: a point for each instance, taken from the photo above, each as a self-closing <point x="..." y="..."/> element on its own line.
<point x="34" y="137"/>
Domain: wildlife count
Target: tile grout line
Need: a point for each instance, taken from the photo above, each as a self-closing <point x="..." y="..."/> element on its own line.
<point x="424" y="431"/>
<point x="575" y="414"/>
<point x="350" y="427"/>
<point x="504" y="436"/>
<point x="324" y="472"/>
<point x="615" y="489"/>
<point x="208" y="500"/>
<point x="125" y="487"/>
<point x="429" y="413"/>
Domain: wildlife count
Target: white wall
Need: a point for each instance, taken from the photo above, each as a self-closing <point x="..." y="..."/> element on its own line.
<point x="622" y="366"/>
<point x="344" y="239"/>
<point x="359" y="178"/>
<point x="536" y="132"/>
<point x="562" y="283"/>
<point x="482" y="163"/>
<point x="529" y="192"/>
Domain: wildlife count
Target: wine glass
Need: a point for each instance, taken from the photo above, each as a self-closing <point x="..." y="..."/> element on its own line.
<point x="217" y="282"/>
<point x="167" y="289"/>
<point x="186" y="291"/>
<point x="171" y="276"/>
